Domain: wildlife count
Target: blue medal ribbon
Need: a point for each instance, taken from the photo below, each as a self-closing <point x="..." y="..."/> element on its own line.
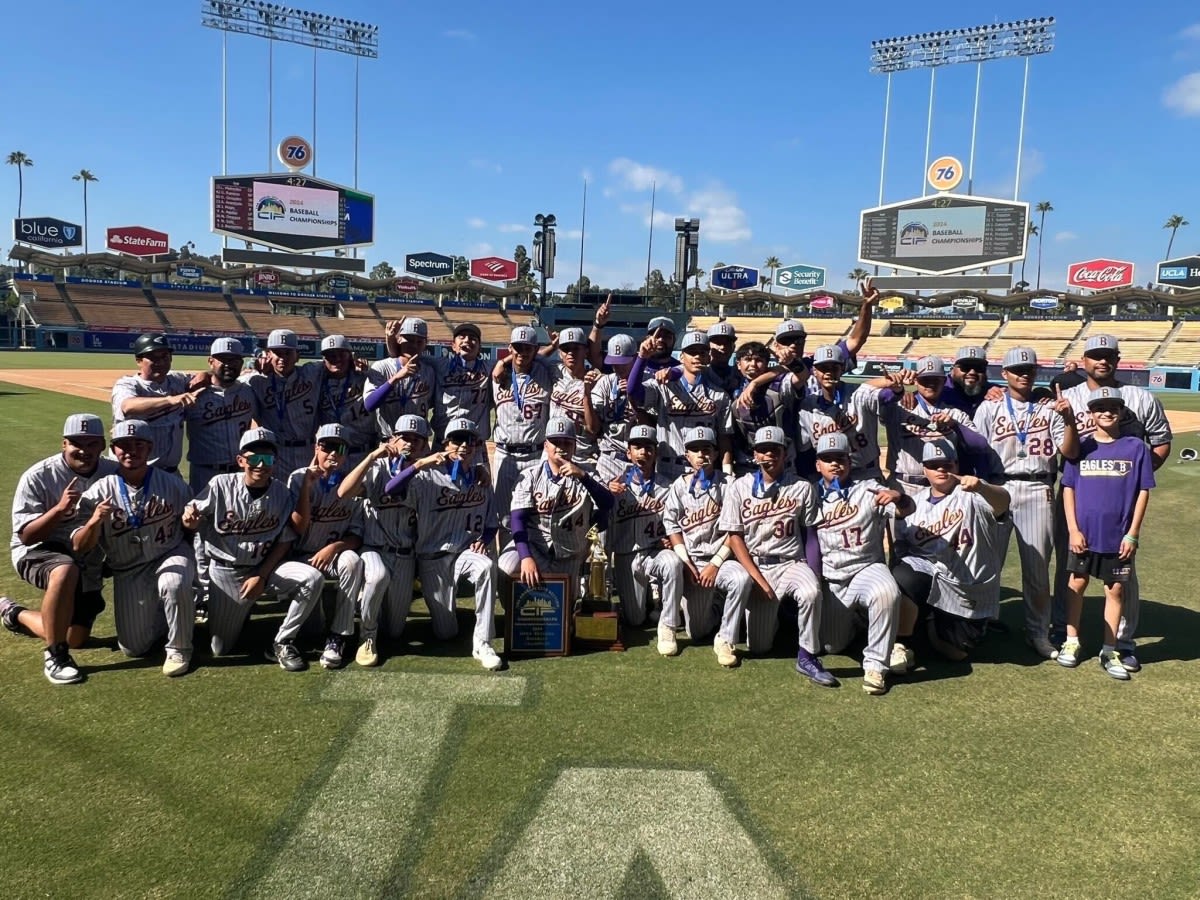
<point x="280" y="398"/>
<point x="834" y="489"/>
<point x="133" y="515"/>
<point x="702" y="479"/>
<point x="1022" y="433"/>
<point x="518" y="388"/>
<point x="839" y="398"/>
<point x="644" y="486"/>
<point x="760" y="487"/>
<point x="397" y="464"/>
<point x="337" y="409"/>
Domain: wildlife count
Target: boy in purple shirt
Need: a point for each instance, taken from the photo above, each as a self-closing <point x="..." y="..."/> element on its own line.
<point x="1105" y="493"/>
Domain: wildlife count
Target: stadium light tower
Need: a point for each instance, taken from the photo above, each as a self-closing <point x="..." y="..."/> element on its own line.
<point x="1023" y="38"/>
<point x="543" y="247"/>
<point x="283" y="23"/>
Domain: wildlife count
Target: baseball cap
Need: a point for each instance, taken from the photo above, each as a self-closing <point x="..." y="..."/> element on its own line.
<point x="414" y="326"/>
<point x="1106" y="343"/>
<point x="930" y="365"/>
<point x="468" y="328"/>
<point x="227" y="347"/>
<point x="938" y="451"/>
<point x="833" y="443"/>
<point x="970" y="352"/>
<point x="258" y="436"/>
<point x="1020" y="356"/>
<point x="334" y="342"/>
<point x="642" y="434"/>
<point x="722" y="330"/>
<point x="332" y="432"/>
<point x="572" y="336"/>
<point x="281" y="339"/>
<point x="462" y="425"/>
<point x="1105" y="394"/>
<point x="830" y="353"/>
<point x="149" y="343"/>
<point x="661" y="322"/>
<point x="621" y="350"/>
<point x="769" y="434"/>
<point x="701" y="434"/>
<point x="560" y="429"/>
<point x="789" y="328"/>
<point x="83" y="425"/>
<point x="693" y="339"/>
<point x="132" y="429"/>
<point x="524" y="334"/>
<point x="411" y="424"/>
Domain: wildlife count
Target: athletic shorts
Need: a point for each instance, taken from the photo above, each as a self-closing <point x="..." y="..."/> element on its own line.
<point x="35" y="568"/>
<point x="1107" y="567"/>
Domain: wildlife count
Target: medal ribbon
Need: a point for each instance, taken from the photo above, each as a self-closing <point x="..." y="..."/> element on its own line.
<point x="1022" y="433"/>
<point x="133" y="514"/>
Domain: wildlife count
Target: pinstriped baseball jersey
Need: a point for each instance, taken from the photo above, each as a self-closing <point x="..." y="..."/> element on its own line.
<point x="771" y="524"/>
<point x="521" y="417"/>
<point x="1043" y="429"/>
<point x="851" y="529"/>
<point x="159" y="501"/>
<point x="908" y="431"/>
<point x="636" y="522"/>
<point x="451" y="515"/>
<point x="331" y="517"/>
<point x="617" y="415"/>
<point x="678" y="405"/>
<point x="854" y="413"/>
<point x="562" y="511"/>
<point x="693" y="513"/>
<point x="387" y="521"/>
<point x="411" y="395"/>
<point x="341" y="403"/>
<point x="166" y="426"/>
<point x="289" y="405"/>
<point x="216" y="421"/>
<point x="1143" y="417"/>
<point x="464" y="391"/>
<point x="239" y="529"/>
<point x="770" y="408"/>
<point x="566" y="399"/>
<point x="40" y="487"/>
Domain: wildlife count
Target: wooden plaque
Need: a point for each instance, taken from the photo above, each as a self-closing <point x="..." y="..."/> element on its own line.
<point x="538" y="619"/>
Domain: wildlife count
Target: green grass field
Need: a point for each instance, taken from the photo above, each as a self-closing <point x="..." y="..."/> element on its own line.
<point x="607" y="774"/>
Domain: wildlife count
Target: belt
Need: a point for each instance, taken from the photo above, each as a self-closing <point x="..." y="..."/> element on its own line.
<point x="772" y="560"/>
<point x="1043" y="477"/>
<point x="294" y="444"/>
<point x="442" y="555"/>
<point x="919" y="480"/>
<point x="516" y="448"/>
<point x="399" y="551"/>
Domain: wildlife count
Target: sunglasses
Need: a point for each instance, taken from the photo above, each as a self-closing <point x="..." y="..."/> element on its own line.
<point x="972" y="366"/>
<point x="463" y="440"/>
<point x="332" y="447"/>
<point x="789" y="341"/>
<point x="1106" y="409"/>
<point x="1023" y="371"/>
<point x="835" y="458"/>
<point x="1107" y="356"/>
<point x="254" y="460"/>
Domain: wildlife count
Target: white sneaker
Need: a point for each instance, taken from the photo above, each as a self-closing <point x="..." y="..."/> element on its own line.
<point x="487" y="657"/>
<point x="725" y="653"/>
<point x="178" y="662"/>
<point x="59" y="667"/>
<point x="367" y="655"/>
<point x="901" y="660"/>
<point x="667" y="645"/>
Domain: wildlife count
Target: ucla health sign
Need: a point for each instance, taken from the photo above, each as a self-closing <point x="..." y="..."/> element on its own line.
<point x="47" y="232"/>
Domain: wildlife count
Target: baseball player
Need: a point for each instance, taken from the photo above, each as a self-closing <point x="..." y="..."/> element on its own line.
<point x="45" y="510"/>
<point x="860" y="588"/>
<point x="690" y="519"/>
<point x="554" y="505"/>
<point x="722" y="342"/>
<point x="134" y="517"/>
<point x="1025" y="437"/>
<point x="329" y="533"/>
<point x="341" y="398"/>
<point x="571" y="395"/>
<point x="220" y="414"/>
<point x="1143" y="417"/>
<point x="677" y="404"/>
<point x="610" y="402"/>
<point x="287" y="398"/>
<point x="389" y="533"/>
<point x="638" y="540"/>
<point x="949" y="553"/>
<point x="521" y="387"/>
<point x="157" y="395"/>
<point x="451" y="495"/>
<point x="854" y="411"/>
<point x="406" y="382"/>
<point x="768" y="517"/>
<point x="759" y="408"/>
<point x="244" y="520"/>
<point x="660" y="339"/>
<point x="464" y="385"/>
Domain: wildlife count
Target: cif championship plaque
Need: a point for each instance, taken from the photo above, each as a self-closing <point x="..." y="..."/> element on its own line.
<point x="538" y="620"/>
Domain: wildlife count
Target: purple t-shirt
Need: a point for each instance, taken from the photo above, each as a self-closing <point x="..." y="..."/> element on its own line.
<point x="1107" y="479"/>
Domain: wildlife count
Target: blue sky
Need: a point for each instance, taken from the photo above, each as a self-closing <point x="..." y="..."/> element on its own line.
<point x="763" y="121"/>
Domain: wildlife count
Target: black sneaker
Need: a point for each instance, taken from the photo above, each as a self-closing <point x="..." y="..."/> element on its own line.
<point x="9" y="611"/>
<point x="59" y="667"/>
<point x="288" y="657"/>
<point x="335" y="652"/>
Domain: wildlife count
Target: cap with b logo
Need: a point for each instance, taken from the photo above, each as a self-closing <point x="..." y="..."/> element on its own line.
<point x="560" y="429"/>
<point x="834" y="443"/>
<point x="334" y="342"/>
<point x="622" y="350"/>
<point x="258" y="436"/>
<point x="722" y="330"/>
<point x="1103" y="342"/>
<point x="938" y="451"/>
<point x="523" y="334"/>
<point x="414" y="326"/>
<point x="693" y="339"/>
<point x="227" y="347"/>
<point x="642" y="434"/>
<point x="701" y="434"/>
<point x="462" y="425"/>
<point x="660" y="322"/>
<point x="1020" y="356"/>
<point x="282" y="339"/>
<point x="930" y="365"/>
<point x="411" y="424"/>
<point x="1105" y="395"/>
<point x="769" y="435"/>
<point x="571" y="336"/>
<point x="830" y="353"/>
<point x="132" y="430"/>
<point x="332" y="432"/>
<point x="789" y="328"/>
<point x="83" y="425"/>
<point x="972" y="352"/>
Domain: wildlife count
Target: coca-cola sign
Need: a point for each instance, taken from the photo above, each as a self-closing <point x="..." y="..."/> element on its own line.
<point x="1100" y="274"/>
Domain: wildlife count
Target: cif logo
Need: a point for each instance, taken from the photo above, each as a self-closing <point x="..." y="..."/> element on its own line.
<point x="913" y="235"/>
<point x="1172" y="272"/>
<point x="270" y="208"/>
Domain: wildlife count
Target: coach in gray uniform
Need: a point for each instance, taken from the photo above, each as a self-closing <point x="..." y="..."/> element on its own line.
<point x="287" y="398"/>
<point x="134" y="517"/>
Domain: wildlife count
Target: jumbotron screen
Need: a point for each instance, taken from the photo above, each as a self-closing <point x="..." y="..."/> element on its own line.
<point x="292" y="212"/>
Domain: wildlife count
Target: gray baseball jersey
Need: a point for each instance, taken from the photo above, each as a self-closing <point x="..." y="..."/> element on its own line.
<point x="451" y="515"/>
<point x="562" y="511"/>
<point x="908" y="431"/>
<point x="166" y="426"/>
<point x="239" y="529"/>
<point x="1024" y="436"/>
<point x="1143" y="417"/>
<point x="463" y="391"/>
<point x="388" y="522"/>
<point x="331" y="517"/>
<point x="851" y="529"/>
<point x="771" y="518"/>
<point x="566" y="399"/>
<point x="341" y="403"/>
<point x="523" y="405"/>
<point x="679" y="406"/>
<point x="412" y="395"/>
<point x="145" y="522"/>
<point x="617" y="415"/>
<point x="288" y="407"/>
<point x="216" y="421"/>
<point x="636" y="521"/>
<point x="693" y="511"/>
<point x="770" y="408"/>
<point x="854" y="412"/>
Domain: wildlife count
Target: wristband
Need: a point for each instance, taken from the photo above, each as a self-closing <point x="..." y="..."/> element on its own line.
<point x="682" y="553"/>
<point x="721" y="555"/>
<point x="1130" y="539"/>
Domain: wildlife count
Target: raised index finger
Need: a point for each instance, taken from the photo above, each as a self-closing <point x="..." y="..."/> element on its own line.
<point x="1058" y="391"/>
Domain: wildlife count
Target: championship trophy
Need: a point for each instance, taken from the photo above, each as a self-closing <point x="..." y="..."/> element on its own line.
<point x="598" y="612"/>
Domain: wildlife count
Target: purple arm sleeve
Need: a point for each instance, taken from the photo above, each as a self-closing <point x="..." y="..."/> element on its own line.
<point x="374" y="399"/>
<point x="887" y="395"/>
<point x="636" y="390"/>
<point x="812" y="550"/>
<point x="601" y="497"/>
<point x="489" y="535"/>
<point x="398" y="484"/>
<point x="520" y="533"/>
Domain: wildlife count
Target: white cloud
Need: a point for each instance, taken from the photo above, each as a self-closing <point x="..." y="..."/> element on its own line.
<point x="1183" y="97"/>
<point x="634" y="176"/>
<point x="459" y="34"/>
<point x="1064" y="236"/>
<point x="476" y="222"/>
<point x="486" y="165"/>
<point x="481" y="249"/>
<point x="721" y="219"/>
<point x="513" y="228"/>
<point x="1191" y="33"/>
<point x="573" y="234"/>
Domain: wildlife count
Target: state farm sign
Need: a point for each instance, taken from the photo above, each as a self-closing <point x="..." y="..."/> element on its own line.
<point x="1100" y="274"/>
<point x="493" y="268"/>
<point x="134" y="240"/>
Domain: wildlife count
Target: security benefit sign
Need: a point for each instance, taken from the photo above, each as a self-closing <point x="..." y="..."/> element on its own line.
<point x="942" y="234"/>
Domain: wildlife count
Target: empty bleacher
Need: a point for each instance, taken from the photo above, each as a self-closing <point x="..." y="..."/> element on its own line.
<point x="945" y="347"/>
<point x="1184" y="348"/>
<point x="358" y="320"/>
<point x="256" y="310"/>
<point x="494" y="326"/>
<point x="820" y="329"/>
<point x="123" y="307"/>
<point x="977" y="331"/>
<point x="1046" y="350"/>
<point x="47" y="306"/>
<point x="197" y="311"/>
<point x="1139" y="339"/>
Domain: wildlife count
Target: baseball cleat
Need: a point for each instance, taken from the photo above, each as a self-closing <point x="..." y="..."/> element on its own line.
<point x="9" y="612"/>
<point x="1129" y="660"/>
<point x="810" y="667"/>
<point x="943" y="647"/>
<point x="487" y="657"/>
<point x="59" y="667"/>
<point x="901" y="659"/>
<point x="726" y="655"/>
<point x="367" y="655"/>
<point x="288" y="656"/>
<point x="667" y="645"/>
<point x="1068" y="655"/>
<point x="1110" y="662"/>
<point x="334" y="654"/>
<point x="874" y="683"/>
<point x="1041" y="646"/>
<point x="177" y="663"/>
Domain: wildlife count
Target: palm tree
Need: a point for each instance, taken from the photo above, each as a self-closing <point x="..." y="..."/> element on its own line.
<point x="20" y="160"/>
<point x="858" y="274"/>
<point x="1033" y="232"/>
<point x="1043" y="207"/>
<point x="1174" y="223"/>
<point x="772" y="262"/>
<point x="85" y="176"/>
